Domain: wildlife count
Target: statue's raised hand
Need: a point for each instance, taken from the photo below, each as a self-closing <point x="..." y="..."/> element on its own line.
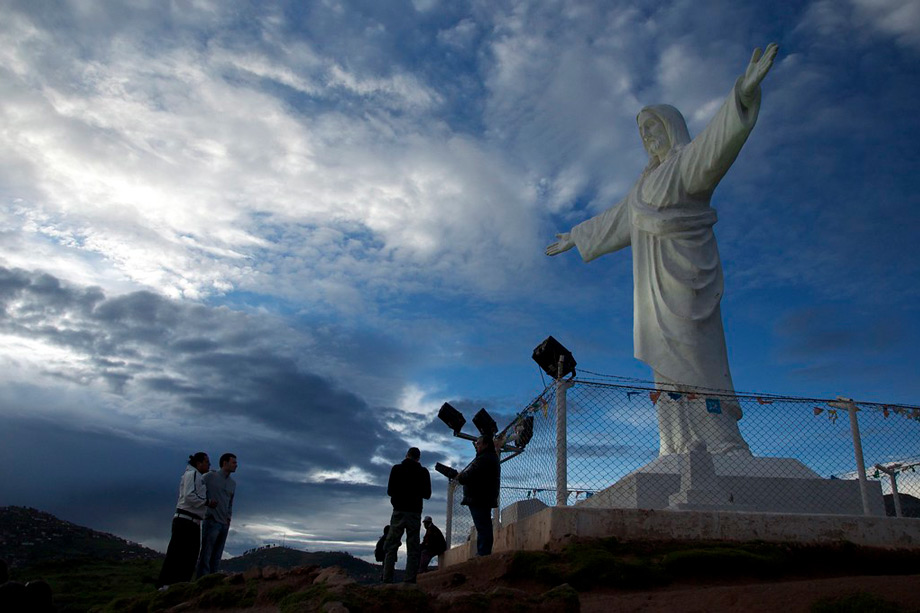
<point x="564" y="243"/>
<point x="757" y="69"/>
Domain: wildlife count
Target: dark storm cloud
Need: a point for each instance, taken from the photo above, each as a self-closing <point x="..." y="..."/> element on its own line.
<point x="818" y="332"/>
<point x="201" y="361"/>
<point x="128" y="487"/>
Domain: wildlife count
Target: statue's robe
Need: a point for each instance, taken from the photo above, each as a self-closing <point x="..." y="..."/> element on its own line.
<point x="677" y="325"/>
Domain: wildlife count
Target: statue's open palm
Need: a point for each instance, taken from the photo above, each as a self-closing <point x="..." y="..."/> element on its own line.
<point x="757" y="69"/>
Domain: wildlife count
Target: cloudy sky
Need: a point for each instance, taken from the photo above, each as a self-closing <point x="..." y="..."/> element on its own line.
<point x="292" y="230"/>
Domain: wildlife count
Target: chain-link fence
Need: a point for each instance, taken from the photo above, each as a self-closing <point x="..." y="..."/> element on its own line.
<point x="784" y="455"/>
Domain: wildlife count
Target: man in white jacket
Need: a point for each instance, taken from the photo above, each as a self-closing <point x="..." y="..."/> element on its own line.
<point x="182" y="553"/>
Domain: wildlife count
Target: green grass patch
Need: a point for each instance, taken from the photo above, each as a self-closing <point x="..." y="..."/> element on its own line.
<point x="278" y="593"/>
<point x="604" y="563"/>
<point x="81" y="585"/>
<point x="718" y="562"/>
<point x="305" y="600"/>
<point x="360" y="599"/>
<point x="538" y="566"/>
<point x="176" y="594"/>
<point x="209" y="581"/>
<point x="861" y="602"/>
<point x="564" y="594"/>
<point x="228" y="597"/>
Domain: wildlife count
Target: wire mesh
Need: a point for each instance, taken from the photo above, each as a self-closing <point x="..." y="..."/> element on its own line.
<point x="613" y="432"/>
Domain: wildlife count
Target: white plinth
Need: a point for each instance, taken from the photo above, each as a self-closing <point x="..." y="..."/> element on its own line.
<point x="702" y="481"/>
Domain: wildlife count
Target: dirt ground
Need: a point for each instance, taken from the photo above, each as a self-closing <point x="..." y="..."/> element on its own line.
<point x="750" y="596"/>
<point x="785" y="596"/>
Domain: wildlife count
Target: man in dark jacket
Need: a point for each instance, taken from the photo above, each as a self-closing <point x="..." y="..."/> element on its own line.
<point x="410" y="482"/>
<point x="481" y="480"/>
<point x="433" y="544"/>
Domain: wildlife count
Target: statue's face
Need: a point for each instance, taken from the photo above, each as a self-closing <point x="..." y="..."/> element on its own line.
<point x="654" y="136"/>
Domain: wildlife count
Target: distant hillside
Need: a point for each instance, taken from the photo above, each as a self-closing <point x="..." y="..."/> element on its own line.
<point x="285" y="557"/>
<point x="29" y="537"/>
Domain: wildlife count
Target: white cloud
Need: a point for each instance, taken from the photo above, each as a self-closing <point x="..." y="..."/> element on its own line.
<point x="174" y="173"/>
<point x="899" y="19"/>
<point x="857" y="19"/>
<point x="460" y="36"/>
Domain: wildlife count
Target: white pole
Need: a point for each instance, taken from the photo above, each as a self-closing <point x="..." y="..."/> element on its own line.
<point x="449" y="520"/>
<point x="562" y="485"/>
<point x="849" y="405"/>
<point x="894" y="493"/>
<point x="892" y="472"/>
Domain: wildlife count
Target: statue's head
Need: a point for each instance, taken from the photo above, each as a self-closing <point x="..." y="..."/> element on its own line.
<point x="662" y="129"/>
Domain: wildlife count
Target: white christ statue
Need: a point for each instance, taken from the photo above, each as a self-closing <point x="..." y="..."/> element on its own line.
<point x="667" y="220"/>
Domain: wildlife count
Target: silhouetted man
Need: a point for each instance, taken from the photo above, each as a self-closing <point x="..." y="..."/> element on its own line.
<point x="433" y="544"/>
<point x="409" y="483"/>
<point x="481" y="481"/>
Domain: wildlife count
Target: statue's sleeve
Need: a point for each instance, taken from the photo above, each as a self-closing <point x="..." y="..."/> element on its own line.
<point x="708" y="157"/>
<point x="608" y="232"/>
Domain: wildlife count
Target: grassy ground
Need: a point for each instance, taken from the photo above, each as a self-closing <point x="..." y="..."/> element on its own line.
<point x="105" y="587"/>
<point x="79" y="585"/>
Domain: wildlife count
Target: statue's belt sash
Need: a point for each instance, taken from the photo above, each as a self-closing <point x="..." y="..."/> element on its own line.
<point x="672" y="223"/>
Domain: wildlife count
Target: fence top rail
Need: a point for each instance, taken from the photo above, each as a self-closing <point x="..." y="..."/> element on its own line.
<point x="628" y="383"/>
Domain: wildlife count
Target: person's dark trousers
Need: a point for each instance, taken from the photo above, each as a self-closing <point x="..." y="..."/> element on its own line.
<point x="482" y="519"/>
<point x="182" y="552"/>
<point x="411" y="524"/>
<point x="213" y="539"/>
<point x="425" y="559"/>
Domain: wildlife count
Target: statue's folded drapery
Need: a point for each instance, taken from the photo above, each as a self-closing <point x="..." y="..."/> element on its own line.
<point x="667" y="220"/>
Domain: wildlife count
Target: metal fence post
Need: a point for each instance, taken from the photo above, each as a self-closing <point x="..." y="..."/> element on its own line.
<point x="850" y="406"/>
<point x="562" y="485"/>
<point x="449" y="519"/>
<point x="892" y="472"/>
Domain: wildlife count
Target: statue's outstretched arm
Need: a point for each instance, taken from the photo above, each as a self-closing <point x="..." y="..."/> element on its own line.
<point x="757" y="69"/>
<point x="564" y="243"/>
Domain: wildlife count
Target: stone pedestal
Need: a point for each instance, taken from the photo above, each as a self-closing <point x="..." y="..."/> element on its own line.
<point x="699" y="480"/>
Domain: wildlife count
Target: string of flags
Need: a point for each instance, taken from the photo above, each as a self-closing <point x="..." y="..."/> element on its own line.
<point x="533" y="492"/>
<point x="887" y="410"/>
<point x="541" y="405"/>
<point x="900" y="469"/>
<point x="713" y="405"/>
<point x="654" y="396"/>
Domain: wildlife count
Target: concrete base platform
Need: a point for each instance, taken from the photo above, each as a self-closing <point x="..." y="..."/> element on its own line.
<point x="701" y="481"/>
<point x="552" y="527"/>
